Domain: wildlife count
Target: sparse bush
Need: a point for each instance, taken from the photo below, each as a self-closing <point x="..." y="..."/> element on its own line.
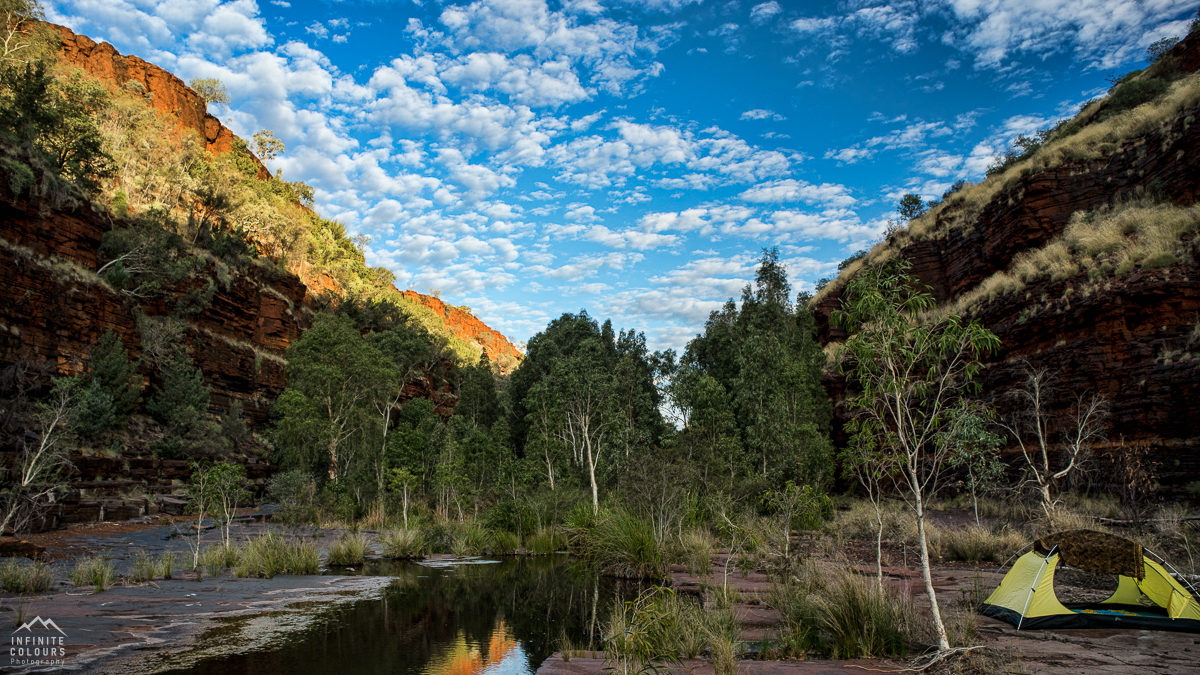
<point x="97" y="572"/>
<point x="639" y="634"/>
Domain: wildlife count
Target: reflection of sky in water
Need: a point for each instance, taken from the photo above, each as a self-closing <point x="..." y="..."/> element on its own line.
<point x="504" y="656"/>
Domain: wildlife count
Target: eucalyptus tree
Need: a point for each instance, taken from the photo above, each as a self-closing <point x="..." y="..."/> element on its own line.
<point x="765" y="357"/>
<point x="334" y="379"/>
<point x="911" y="370"/>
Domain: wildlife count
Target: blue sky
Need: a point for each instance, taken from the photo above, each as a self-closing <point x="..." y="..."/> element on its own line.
<point x="631" y="158"/>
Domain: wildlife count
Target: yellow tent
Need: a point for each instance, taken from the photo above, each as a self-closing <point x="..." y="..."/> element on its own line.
<point x="1026" y="599"/>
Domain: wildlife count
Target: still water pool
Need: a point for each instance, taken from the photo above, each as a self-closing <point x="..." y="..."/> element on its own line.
<point x="483" y="618"/>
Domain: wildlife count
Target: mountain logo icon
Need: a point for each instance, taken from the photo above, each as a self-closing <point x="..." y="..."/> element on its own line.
<point x="46" y="623"/>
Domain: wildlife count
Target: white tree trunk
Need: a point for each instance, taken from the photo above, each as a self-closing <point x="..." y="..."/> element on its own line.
<point x="927" y="574"/>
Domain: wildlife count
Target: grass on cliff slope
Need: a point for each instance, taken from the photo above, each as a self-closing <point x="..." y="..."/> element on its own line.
<point x="1079" y="140"/>
<point x="1108" y="242"/>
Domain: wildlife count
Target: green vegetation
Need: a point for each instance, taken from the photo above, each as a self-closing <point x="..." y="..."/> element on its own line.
<point x="913" y="377"/>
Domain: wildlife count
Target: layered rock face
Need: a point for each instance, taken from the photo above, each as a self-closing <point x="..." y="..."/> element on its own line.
<point x="1129" y="338"/>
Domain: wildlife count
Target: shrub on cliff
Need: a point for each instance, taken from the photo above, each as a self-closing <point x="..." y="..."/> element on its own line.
<point x="180" y="404"/>
<point x="116" y="376"/>
<point x="49" y="125"/>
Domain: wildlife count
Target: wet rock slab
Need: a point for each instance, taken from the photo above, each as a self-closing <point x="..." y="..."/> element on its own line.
<point x="171" y="624"/>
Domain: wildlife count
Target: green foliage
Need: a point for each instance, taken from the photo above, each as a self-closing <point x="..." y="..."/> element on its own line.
<point x="1133" y="93"/>
<point x="477" y="400"/>
<point x="211" y="90"/>
<point x="294" y="492"/>
<point x="182" y="399"/>
<point x="334" y="377"/>
<point x="910" y="207"/>
<point x="115" y="374"/>
<point x="1159" y="49"/>
<point x="266" y="146"/>
<point x="766" y="359"/>
<point x="977" y="451"/>
<point x="50" y="124"/>
<point x="145" y="260"/>
<point x="97" y="411"/>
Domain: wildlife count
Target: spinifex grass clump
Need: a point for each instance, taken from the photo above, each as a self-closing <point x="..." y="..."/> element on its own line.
<point x="350" y="549"/>
<point x="97" y="572"/>
<point x="403" y="544"/>
<point x="272" y="554"/>
<point x="863" y="620"/>
<point x="545" y="541"/>
<point x="31" y="578"/>
<point x="166" y="564"/>
<point x="624" y="546"/>
<point x="505" y="543"/>
<point x="144" y="568"/>
<point x="469" y="538"/>
<point x="216" y="558"/>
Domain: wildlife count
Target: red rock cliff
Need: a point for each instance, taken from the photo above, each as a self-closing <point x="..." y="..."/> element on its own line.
<point x="169" y="94"/>
<point x="1123" y="338"/>
<point x="172" y="97"/>
<point x="463" y="324"/>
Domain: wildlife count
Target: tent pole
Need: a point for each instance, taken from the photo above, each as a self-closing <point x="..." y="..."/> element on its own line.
<point x="1036" y="578"/>
<point x="1177" y="572"/>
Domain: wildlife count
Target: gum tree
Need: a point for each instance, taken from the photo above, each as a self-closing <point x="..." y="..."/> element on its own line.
<point x="910" y="369"/>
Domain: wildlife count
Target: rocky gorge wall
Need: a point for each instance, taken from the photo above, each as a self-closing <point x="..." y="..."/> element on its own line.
<point x="170" y="96"/>
<point x="1134" y="337"/>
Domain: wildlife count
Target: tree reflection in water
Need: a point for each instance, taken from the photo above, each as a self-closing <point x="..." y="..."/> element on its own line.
<point x="482" y="619"/>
